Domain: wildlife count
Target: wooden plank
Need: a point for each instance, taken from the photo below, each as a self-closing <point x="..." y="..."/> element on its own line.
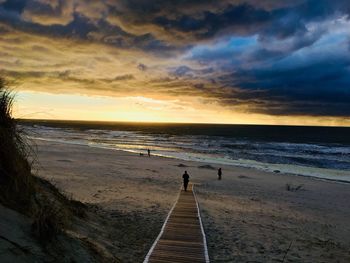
<point x="182" y="237"/>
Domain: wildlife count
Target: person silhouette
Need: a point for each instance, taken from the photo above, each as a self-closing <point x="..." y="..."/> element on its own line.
<point x="149" y="152"/>
<point x="219" y="174"/>
<point x="186" y="179"/>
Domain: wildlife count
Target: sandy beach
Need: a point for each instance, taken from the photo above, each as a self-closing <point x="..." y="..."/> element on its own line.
<point x="248" y="216"/>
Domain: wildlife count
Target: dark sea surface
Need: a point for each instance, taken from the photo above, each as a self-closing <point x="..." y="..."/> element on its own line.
<point x="322" y="152"/>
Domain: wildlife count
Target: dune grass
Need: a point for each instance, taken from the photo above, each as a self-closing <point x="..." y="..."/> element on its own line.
<point x="19" y="189"/>
<point x="17" y="186"/>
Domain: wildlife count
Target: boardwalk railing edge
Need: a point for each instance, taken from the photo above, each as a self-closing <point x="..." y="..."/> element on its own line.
<point x="161" y="230"/>
<point x="206" y="254"/>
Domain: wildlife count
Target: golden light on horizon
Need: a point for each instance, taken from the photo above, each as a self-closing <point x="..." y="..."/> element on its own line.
<point x="40" y="105"/>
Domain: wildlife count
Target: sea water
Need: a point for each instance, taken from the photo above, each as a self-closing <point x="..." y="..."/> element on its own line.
<point x="322" y="152"/>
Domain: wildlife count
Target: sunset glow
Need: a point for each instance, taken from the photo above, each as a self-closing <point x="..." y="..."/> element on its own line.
<point x="191" y="62"/>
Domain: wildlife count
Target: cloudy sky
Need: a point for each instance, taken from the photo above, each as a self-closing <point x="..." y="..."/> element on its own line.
<point x="228" y="61"/>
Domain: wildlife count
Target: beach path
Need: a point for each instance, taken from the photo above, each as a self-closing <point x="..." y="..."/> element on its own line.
<point x="182" y="237"/>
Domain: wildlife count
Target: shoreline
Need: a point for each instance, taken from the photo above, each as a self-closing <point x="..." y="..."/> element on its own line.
<point x="273" y="170"/>
<point x="247" y="216"/>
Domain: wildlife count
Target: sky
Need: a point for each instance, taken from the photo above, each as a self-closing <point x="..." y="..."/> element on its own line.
<point x="208" y="61"/>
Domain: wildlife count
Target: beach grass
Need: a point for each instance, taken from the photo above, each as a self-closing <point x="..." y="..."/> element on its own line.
<point x="17" y="186"/>
<point x="20" y="190"/>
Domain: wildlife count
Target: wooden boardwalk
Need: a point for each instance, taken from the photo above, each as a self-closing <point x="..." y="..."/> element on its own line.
<point x="182" y="237"/>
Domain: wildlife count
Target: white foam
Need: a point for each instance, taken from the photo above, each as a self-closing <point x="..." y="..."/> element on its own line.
<point x="190" y="148"/>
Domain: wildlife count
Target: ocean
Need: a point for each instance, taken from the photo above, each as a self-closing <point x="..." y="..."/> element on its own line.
<point x="322" y="152"/>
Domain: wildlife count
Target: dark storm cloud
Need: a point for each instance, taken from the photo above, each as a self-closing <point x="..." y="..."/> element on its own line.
<point x="15" y="5"/>
<point x="79" y="26"/>
<point x="190" y="17"/>
<point x="187" y="20"/>
<point x="319" y="89"/>
<point x="45" y="8"/>
<point x="198" y="19"/>
<point x="261" y="73"/>
<point x="242" y="19"/>
<point x="319" y="76"/>
<point x="297" y="42"/>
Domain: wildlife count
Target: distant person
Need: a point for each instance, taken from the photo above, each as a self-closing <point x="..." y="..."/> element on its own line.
<point x="186" y="178"/>
<point x="219" y="174"/>
<point x="149" y="152"/>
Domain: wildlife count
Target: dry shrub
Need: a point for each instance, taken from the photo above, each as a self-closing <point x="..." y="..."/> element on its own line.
<point x="49" y="220"/>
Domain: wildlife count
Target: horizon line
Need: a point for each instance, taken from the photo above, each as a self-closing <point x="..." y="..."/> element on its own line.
<point x="179" y="123"/>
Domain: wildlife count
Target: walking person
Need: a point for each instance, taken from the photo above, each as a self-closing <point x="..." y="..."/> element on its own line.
<point x="149" y="152"/>
<point x="186" y="179"/>
<point x="219" y="174"/>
